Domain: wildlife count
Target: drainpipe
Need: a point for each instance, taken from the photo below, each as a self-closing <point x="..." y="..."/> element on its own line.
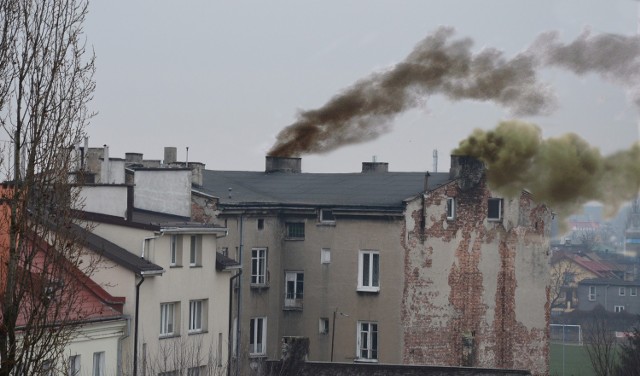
<point x="239" y="302"/>
<point x="135" y="333"/>
<point x="229" y="355"/>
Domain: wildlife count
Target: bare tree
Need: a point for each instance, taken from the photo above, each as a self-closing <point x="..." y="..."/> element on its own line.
<point x="189" y="356"/>
<point x="46" y="83"/>
<point x="562" y="284"/>
<point x="600" y="343"/>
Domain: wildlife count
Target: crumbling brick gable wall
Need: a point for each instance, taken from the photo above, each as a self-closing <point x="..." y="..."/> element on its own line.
<point x="475" y="291"/>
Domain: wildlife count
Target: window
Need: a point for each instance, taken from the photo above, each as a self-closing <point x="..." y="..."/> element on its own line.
<point x="369" y="271"/>
<point x="592" y="293"/>
<point x="295" y="230"/>
<point x="47" y="368"/>
<point x="325" y="255"/>
<point x="257" y="336"/>
<point x="98" y="363"/>
<point x="175" y="250"/>
<point x="74" y="365"/>
<point x="197" y="315"/>
<point x="451" y="208"/>
<point x="618" y="309"/>
<point x="323" y="325"/>
<point x="494" y="212"/>
<point x="294" y="289"/>
<point x="621" y="291"/>
<point x="260" y="223"/>
<point x="258" y="266"/>
<point x="195" y="251"/>
<point x="326" y="216"/>
<point x="195" y="371"/>
<point x="167" y="318"/>
<point x="633" y="291"/>
<point x="568" y="278"/>
<point x="367" y="341"/>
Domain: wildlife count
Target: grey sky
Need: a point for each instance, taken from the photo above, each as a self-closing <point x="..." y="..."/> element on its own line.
<point x="223" y="78"/>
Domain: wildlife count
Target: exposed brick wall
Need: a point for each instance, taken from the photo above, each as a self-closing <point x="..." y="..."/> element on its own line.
<point x="462" y="282"/>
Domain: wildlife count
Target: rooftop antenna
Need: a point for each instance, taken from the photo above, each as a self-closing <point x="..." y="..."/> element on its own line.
<point x="374" y="158"/>
<point x="435" y="160"/>
<point x="187" y="157"/>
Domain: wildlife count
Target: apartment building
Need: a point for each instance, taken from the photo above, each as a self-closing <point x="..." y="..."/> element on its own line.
<point x="381" y="266"/>
<point x="166" y="265"/>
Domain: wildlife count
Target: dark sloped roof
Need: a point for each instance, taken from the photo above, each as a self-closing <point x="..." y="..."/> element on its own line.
<point x="383" y="189"/>
<point x="224" y="262"/>
<point x="116" y="253"/>
<point x="608" y="281"/>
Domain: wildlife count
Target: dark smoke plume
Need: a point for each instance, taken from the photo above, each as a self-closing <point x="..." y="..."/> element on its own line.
<point x="437" y="65"/>
<point x="443" y="65"/>
<point x="564" y="172"/>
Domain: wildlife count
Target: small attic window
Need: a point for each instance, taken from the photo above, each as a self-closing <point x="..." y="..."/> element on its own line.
<point x="451" y="208"/>
<point x="326" y="216"/>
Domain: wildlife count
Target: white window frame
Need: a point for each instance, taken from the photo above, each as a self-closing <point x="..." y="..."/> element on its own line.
<point x="500" y="208"/>
<point x="258" y="334"/>
<point x="325" y="255"/>
<point x="195" y="250"/>
<point x="259" y="259"/>
<point x="367" y="280"/>
<point x="633" y="291"/>
<point x="197" y="315"/>
<point x="451" y="208"/>
<point x="592" y="293"/>
<point x="293" y="289"/>
<point x="98" y="363"/>
<point x="323" y="217"/>
<point x="622" y="291"/>
<point x="367" y="341"/>
<point x="73" y="366"/>
<point x="173" y="250"/>
<point x="618" y="308"/>
<point x="167" y="319"/>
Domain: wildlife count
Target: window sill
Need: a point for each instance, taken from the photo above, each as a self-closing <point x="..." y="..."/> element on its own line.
<point x="364" y="360"/>
<point x="292" y="308"/>
<point x="167" y="336"/>
<point x="259" y="286"/>
<point x="257" y="356"/>
<point x="196" y="332"/>
<point x="195" y="266"/>
<point x="294" y="239"/>
<point x="175" y="266"/>
<point x="370" y="290"/>
<point x="494" y="219"/>
<point x="326" y="223"/>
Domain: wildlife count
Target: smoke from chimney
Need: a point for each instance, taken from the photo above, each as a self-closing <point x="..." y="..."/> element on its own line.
<point x="564" y="172"/>
<point x="443" y="65"/>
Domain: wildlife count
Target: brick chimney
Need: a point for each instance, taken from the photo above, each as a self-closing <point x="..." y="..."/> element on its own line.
<point x="283" y="164"/>
<point x="468" y="170"/>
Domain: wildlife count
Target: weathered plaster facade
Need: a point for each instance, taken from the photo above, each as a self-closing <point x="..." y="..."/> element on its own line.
<point x="475" y="291"/>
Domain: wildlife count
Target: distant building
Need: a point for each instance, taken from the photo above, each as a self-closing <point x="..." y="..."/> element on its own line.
<point x="614" y="295"/>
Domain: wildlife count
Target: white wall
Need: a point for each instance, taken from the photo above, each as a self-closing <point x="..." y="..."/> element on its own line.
<point x="97" y="337"/>
<point x="163" y="190"/>
<point x="111" y="200"/>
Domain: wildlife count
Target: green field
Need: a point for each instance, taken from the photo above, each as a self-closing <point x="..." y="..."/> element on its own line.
<point x="576" y="361"/>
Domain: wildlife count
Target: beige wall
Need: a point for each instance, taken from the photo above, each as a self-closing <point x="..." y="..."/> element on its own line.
<point x="96" y="337"/>
<point x="327" y="287"/>
<point x="177" y="284"/>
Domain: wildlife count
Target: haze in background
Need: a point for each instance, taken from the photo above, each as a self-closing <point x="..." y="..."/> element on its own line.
<point x="224" y="79"/>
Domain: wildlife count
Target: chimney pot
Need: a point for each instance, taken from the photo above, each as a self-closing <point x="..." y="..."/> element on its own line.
<point x="369" y="167"/>
<point x="170" y="155"/>
<point x="283" y="164"/>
